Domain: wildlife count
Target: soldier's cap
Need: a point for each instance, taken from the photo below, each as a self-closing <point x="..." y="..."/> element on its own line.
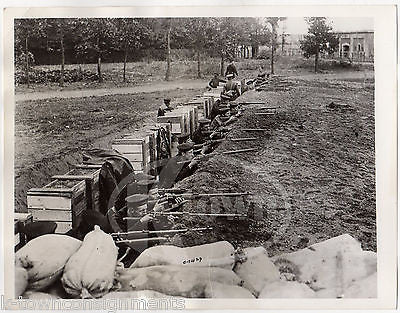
<point x="183" y="136"/>
<point x="185" y="147"/>
<point x="141" y="176"/>
<point x="204" y="121"/>
<point x="137" y="199"/>
<point x="167" y="100"/>
<point x="147" y="182"/>
<point x="229" y="75"/>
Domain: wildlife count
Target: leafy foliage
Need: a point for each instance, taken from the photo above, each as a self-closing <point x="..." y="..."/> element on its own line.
<point x="320" y="38"/>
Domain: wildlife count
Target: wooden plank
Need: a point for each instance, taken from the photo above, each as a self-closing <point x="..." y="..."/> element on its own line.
<point x="94" y="166"/>
<point x="169" y="118"/>
<point x="128" y="140"/>
<point x="63" y="227"/>
<point x="48" y="202"/>
<point x="72" y="177"/>
<point x="22" y="216"/>
<point x="51" y="215"/>
<point x="123" y="149"/>
<point x="134" y="157"/>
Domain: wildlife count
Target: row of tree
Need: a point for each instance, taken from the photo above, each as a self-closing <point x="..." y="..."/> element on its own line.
<point x="212" y="36"/>
<point x="101" y="36"/>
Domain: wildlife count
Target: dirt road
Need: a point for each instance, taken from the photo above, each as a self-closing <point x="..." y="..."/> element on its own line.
<point x="153" y="87"/>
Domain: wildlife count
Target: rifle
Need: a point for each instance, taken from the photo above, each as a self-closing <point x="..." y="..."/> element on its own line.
<point x="180" y="213"/>
<point x="181" y="193"/>
<point x="166" y="231"/>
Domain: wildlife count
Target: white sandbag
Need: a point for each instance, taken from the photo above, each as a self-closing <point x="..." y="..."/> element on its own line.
<point x="219" y="254"/>
<point x="364" y="288"/>
<point x="174" y="280"/>
<point x="136" y="294"/>
<point x="257" y="270"/>
<point x="44" y="258"/>
<point x="222" y="291"/>
<point x="325" y="264"/>
<point x="286" y="289"/>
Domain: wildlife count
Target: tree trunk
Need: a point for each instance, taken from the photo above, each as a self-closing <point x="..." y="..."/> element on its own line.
<point x="99" y="61"/>
<point x="27" y="61"/>
<point x="168" y="73"/>
<point x="125" y="57"/>
<point x="273" y="50"/>
<point x="198" y="63"/>
<point x="222" y="65"/>
<point x="62" y="60"/>
<point x="316" y="62"/>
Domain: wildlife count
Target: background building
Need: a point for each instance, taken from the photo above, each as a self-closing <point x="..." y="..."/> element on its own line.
<point x="356" y="46"/>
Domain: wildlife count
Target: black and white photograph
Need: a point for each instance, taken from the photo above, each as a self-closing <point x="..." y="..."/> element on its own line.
<point x="162" y="159"/>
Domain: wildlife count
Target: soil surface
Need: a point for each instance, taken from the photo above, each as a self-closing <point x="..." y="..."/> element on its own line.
<point x="51" y="135"/>
<point x="312" y="175"/>
<point x="96" y="92"/>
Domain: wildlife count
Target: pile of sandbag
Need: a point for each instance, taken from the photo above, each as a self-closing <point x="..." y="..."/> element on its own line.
<point x="57" y="265"/>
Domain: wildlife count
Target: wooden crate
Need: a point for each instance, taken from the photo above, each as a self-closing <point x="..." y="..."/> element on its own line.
<point x="20" y="220"/>
<point x="61" y="201"/>
<point x="188" y="117"/>
<point x="136" y="150"/>
<point x="91" y="175"/>
<point x="176" y="120"/>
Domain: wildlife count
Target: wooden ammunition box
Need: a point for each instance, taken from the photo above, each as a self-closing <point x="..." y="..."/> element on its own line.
<point x="136" y="150"/>
<point x="91" y="175"/>
<point x="176" y="120"/>
<point x="61" y="201"/>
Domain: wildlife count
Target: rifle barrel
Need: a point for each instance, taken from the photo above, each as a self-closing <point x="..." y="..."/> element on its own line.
<point x="243" y="139"/>
<point x="165" y="231"/>
<point x="141" y="240"/>
<point x="239" y="151"/>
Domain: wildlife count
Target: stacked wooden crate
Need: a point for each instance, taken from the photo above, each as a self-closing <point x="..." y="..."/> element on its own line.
<point x="20" y="220"/>
<point x="191" y="115"/>
<point x="199" y="103"/>
<point x="138" y="148"/>
<point x="90" y="174"/>
<point x="176" y="121"/>
<point x="61" y="201"/>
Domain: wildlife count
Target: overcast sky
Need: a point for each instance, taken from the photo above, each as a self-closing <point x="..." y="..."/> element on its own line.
<point x="297" y="25"/>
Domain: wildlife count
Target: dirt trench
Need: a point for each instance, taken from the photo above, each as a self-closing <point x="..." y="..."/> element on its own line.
<point x="312" y="176"/>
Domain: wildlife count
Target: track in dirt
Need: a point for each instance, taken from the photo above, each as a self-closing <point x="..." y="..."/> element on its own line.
<point x="312" y="176"/>
<point x="51" y="135"/>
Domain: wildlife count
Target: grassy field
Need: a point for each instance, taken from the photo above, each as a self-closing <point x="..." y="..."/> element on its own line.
<point x="140" y="73"/>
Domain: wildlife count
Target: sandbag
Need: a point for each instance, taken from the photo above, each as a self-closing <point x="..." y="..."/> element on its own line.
<point x="363" y="288"/>
<point x="21" y="281"/>
<point x="90" y="271"/>
<point x="320" y="263"/>
<point x="218" y="254"/>
<point x="286" y="289"/>
<point x="44" y="258"/>
<point x="257" y="270"/>
<point x="135" y="294"/>
<point x="174" y="280"/>
<point x="222" y="291"/>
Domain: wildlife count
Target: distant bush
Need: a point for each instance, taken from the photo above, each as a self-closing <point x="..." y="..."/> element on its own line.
<point x="264" y="55"/>
<point x="54" y="76"/>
